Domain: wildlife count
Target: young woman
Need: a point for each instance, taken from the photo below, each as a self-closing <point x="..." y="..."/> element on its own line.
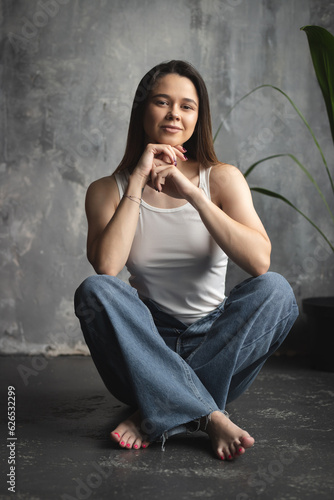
<point x="170" y="343"/>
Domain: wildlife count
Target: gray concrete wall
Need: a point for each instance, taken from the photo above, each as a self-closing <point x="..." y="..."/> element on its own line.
<point x="69" y="70"/>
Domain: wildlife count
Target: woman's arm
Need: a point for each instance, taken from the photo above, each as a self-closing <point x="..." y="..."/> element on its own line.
<point x="232" y="220"/>
<point x="112" y="222"/>
<point x="229" y="216"/>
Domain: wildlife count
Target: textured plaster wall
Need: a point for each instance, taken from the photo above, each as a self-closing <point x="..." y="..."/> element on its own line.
<point x="69" y="70"/>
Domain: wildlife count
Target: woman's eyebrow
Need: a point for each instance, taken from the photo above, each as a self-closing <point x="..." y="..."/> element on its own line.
<point x="166" y="96"/>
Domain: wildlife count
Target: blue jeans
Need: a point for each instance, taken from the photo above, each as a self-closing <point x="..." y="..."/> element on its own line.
<point x="176" y="373"/>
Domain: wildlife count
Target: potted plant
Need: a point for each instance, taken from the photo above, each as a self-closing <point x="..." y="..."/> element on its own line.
<point x="319" y="310"/>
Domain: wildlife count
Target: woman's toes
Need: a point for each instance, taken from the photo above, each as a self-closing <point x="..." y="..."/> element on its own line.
<point x="115" y="436"/>
<point x="130" y="442"/>
<point x="247" y="442"/>
<point x="240" y="450"/>
<point x="136" y="445"/>
<point x="235" y="449"/>
<point x="226" y="454"/>
<point x="230" y="452"/>
<point x="124" y="439"/>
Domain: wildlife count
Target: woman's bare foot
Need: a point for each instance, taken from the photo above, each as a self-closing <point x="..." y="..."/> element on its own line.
<point x="128" y="434"/>
<point x="228" y="440"/>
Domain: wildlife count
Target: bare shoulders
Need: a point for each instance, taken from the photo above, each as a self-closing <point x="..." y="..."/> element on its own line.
<point x="221" y="172"/>
<point x="103" y="191"/>
<point x="225" y="182"/>
<point x="103" y="182"/>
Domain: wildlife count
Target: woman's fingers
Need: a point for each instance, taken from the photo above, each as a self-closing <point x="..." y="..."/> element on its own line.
<point x="158" y="175"/>
<point x="159" y="155"/>
<point x="166" y="159"/>
<point x="160" y="172"/>
<point x="168" y="154"/>
<point x="181" y="149"/>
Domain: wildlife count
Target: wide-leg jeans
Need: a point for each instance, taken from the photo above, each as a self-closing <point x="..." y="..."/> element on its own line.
<point x="172" y="372"/>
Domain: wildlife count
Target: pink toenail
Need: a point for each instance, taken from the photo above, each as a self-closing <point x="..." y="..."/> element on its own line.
<point x="135" y="446"/>
<point x="122" y="443"/>
<point x="223" y="458"/>
<point x="230" y="456"/>
<point x="144" y="445"/>
<point x="116" y="434"/>
<point x="128" y="445"/>
<point x="240" y="450"/>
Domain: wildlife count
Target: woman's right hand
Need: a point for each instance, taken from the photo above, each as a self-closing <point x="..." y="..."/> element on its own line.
<point x="153" y="155"/>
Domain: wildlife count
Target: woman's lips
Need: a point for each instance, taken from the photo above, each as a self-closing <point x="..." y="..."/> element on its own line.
<point x="171" y="130"/>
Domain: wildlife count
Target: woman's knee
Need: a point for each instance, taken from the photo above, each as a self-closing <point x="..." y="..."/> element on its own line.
<point x="86" y="299"/>
<point x="97" y="285"/>
<point x="275" y="283"/>
<point x="86" y="291"/>
<point x="88" y="286"/>
<point x="267" y="288"/>
<point x="102" y="291"/>
<point x="277" y="289"/>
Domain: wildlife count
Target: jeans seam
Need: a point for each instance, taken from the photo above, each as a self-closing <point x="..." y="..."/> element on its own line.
<point x="178" y="346"/>
<point x="221" y="309"/>
<point x="153" y="325"/>
<point x="191" y="355"/>
<point x="192" y="385"/>
<point x="266" y="333"/>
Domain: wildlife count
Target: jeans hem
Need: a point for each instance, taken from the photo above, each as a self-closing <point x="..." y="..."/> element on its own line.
<point x="188" y="428"/>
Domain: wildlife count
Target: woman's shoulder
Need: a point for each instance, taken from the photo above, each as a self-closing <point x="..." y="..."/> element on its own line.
<point x="224" y="173"/>
<point x="227" y="184"/>
<point x="102" y="183"/>
<point x="102" y="190"/>
<point x="226" y="167"/>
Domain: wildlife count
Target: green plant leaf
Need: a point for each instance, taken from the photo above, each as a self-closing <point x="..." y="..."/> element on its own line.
<point x="321" y="44"/>
<point x="297" y="111"/>
<point x="272" y="194"/>
<point x="301" y="166"/>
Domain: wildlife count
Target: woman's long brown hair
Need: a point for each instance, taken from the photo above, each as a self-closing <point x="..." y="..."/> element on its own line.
<point x="200" y="145"/>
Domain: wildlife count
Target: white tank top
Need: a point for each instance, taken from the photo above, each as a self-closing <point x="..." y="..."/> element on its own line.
<point x="174" y="260"/>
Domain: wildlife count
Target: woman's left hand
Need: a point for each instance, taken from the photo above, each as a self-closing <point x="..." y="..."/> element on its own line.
<point x="167" y="178"/>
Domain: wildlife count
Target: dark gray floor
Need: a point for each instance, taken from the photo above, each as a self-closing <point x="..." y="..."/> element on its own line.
<point x="63" y="451"/>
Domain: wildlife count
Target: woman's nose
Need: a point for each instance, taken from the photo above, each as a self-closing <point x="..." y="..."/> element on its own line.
<point x="172" y="115"/>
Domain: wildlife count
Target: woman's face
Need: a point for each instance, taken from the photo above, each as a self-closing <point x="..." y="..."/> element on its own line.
<point x="171" y="111"/>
